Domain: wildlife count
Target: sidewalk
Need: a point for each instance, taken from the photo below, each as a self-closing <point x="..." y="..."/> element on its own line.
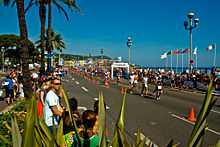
<point x="3" y="106"/>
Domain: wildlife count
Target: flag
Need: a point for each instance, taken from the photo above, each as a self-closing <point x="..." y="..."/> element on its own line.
<point x="211" y="47"/>
<point x="163" y="56"/>
<point x="195" y="51"/>
<point x="175" y="52"/>
<point x="169" y="53"/>
<point x="191" y="61"/>
<point x="185" y="51"/>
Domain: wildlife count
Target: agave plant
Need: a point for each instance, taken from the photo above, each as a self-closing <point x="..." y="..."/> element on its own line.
<point x="37" y="134"/>
<point x="102" y="121"/>
<point x="197" y="135"/>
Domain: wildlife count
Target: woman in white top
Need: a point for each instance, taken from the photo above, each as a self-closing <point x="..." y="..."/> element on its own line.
<point x="144" y="90"/>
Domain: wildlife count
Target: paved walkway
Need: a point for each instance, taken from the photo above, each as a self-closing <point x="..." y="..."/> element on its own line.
<point x="3" y="105"/>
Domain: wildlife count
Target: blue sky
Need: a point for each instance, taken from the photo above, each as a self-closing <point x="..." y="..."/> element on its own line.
<point x="155" y="26"/>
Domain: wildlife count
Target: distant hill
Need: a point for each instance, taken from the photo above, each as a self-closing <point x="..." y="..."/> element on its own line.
<point x="80" y="57"/>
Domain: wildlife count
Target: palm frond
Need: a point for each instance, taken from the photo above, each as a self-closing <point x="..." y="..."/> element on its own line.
<point x="30" y="4"/>
<point x="13" y="3"/>
<point x="61" y="9"/>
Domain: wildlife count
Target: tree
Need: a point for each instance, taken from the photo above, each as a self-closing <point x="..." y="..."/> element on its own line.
<point x="57" y="42"/>
<point x="42" y="13"/>
<point x="71" y="4"/>
<point x="23" y="48"/>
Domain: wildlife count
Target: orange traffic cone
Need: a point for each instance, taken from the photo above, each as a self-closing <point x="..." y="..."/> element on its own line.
<point x="192" y="115"/>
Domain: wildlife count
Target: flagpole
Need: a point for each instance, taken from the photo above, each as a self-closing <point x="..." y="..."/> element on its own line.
<point x="166" y="63"/>
<point x="177" y="62"/>
<point x="182" y="62"/>
<point x="171" y="62"/>
<point x="196" y="61"/>
<point x="214" y="55"/>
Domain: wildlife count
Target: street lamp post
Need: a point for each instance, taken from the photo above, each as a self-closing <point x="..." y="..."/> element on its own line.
<point x="190" y="25"/>
<point x="129" y="44"/>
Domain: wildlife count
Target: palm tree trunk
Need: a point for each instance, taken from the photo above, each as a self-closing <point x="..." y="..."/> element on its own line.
<point x="42" y="14"/>
<point x="23" y="50"/>
<point x="49" y="35"/>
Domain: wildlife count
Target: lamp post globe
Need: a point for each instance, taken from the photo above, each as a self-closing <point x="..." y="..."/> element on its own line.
<point x="190" y="15"/>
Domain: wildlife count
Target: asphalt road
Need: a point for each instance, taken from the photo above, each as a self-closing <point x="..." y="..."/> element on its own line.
<point x="159" y="120"/>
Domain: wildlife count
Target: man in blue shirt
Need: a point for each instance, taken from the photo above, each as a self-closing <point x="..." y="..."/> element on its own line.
<point x="9" y="89"/>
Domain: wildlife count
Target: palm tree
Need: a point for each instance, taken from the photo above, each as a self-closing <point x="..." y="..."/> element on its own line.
<point x="70" y="3"/>
<point x="56" y="42"/>
<point x="42" y="13"/>
<point x="23" y="48"/>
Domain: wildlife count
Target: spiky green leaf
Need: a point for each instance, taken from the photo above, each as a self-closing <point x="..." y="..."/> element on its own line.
<point x="102" y="121"/>
<point x="119" y="138"/>
<point x="218" y="143"/>
<point x="197" y="135"/>
<point x="4" y="140"/>
<point x="28" y="137"/>
<point x="71" y="118"/>
<point x="16" y="135"/>
<point x="139" y="142"/>
<point x="60" y="140"/>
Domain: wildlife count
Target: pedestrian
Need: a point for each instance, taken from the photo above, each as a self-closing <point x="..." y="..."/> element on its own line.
<point x="8" y="83"/>
<point x="90" y="138"/>
<point x="144" y="90"/>
<point x="42" y="92"/>
<point x="131" y="82"/>
<point x="52" y="107"/>
<point x="68" y="128"/>
<point x="20" y="87"/>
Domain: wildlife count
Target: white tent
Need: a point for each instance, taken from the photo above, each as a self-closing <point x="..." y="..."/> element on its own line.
<point x="119" y="65"/>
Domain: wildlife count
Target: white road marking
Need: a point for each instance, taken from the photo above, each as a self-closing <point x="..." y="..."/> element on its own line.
<point x="73" y="79"/>
<point x="77" y="82"/>
<point x="86" y="90"/>
<point x="182" y="118"/>
<point x="148" y="142"/>
<point x="107" y="107"/>
<point x="215" y="111"/>
<point x="81" y="108"/>
<point x="96" y="99"/>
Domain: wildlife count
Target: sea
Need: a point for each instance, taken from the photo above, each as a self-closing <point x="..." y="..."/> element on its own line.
<point x="206" y="70"/>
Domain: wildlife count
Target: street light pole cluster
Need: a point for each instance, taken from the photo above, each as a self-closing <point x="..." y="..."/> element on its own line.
<point x="129" y="44"/>
<point x="190" y="24"/>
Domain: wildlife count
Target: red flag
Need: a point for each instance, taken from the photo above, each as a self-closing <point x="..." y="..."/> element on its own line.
<point x="175" y="52"/>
